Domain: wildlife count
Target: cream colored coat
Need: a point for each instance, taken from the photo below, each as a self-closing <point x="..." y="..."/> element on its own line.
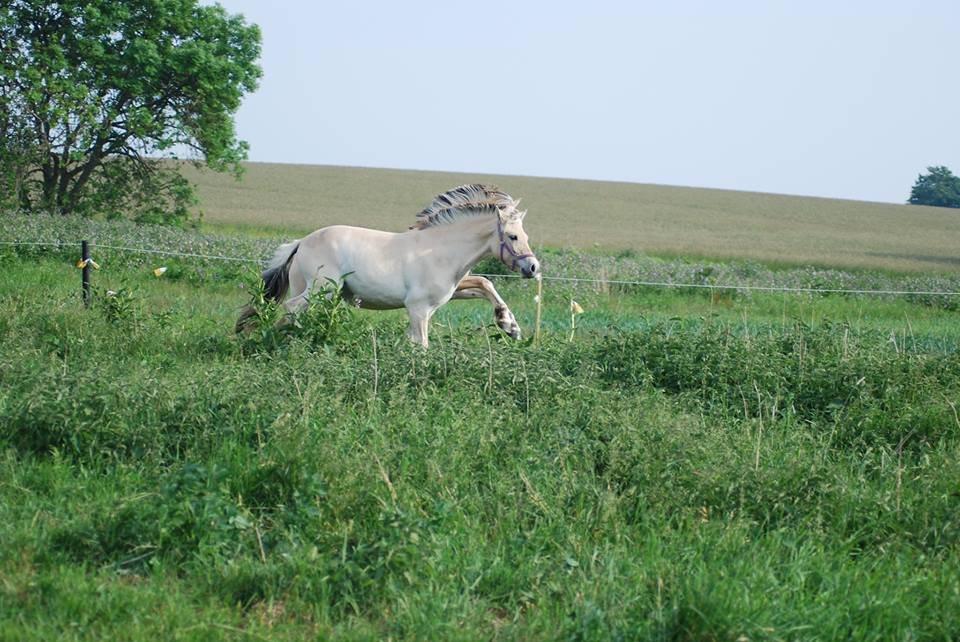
<point x="420" y="269"/>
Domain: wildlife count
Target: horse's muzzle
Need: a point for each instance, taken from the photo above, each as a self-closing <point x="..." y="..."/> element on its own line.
<point x="529" y="267"/>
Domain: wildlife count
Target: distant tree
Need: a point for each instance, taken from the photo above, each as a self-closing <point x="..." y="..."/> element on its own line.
<point x="96" y="94"/>
<point x="939" y="188"/>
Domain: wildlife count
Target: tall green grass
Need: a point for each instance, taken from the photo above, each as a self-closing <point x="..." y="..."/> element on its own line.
<point x="697" y="474"/>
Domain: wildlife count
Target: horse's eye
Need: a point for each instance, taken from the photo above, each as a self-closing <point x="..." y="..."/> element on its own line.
<point x="513" y="237"/>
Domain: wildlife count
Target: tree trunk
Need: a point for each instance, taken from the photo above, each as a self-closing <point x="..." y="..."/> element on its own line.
<point x="48" y="196"/>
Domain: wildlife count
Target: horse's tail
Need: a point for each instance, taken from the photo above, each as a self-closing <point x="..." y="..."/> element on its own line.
<point x="276" y="280"/>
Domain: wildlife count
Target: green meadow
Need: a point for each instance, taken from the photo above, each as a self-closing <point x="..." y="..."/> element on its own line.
<point x="683" y="464"/>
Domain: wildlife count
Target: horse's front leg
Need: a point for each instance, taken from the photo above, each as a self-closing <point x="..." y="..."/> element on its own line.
<point x="472" y="287"/>
<point x="419" y="323"/>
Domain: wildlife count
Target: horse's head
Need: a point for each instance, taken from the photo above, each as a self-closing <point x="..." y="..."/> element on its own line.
<point x="514" y="247"/>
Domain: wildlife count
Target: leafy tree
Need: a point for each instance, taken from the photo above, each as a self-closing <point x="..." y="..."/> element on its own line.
<point x="940" y="188"/>
<point x="97" y="95"/>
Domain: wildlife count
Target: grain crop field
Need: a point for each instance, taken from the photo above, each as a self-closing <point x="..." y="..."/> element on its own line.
<point x="572" y="213"/>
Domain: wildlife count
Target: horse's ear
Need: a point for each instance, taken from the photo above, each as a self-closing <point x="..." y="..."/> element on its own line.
<point x="515" y="214"/>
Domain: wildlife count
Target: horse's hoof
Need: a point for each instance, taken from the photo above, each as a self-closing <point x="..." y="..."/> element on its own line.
<point x="512" y="330"/>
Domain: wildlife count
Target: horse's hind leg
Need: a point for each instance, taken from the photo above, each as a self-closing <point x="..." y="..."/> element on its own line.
<point x="472" y="287"/>
<point x="297" y="303"/>
<point x="297" y="291"/>
<point x="307" y="275"/>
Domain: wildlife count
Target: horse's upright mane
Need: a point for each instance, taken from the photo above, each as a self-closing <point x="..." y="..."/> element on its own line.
<point x="466" y="200"/>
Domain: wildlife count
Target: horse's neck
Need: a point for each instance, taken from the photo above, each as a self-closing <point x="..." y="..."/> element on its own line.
<point x="465" y="242"/>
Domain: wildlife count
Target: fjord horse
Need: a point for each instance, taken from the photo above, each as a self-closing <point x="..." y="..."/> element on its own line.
<point x="420" y="269"/>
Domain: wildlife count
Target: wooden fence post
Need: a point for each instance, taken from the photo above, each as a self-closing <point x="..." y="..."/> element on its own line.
<point x="536" y="330"/>
<point x="85" y="279"/>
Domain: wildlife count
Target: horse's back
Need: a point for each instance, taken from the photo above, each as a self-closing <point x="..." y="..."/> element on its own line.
<point x="347" y="234"/>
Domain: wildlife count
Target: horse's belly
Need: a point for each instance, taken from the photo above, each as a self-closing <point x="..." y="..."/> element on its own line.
<point x="373" y="296"/>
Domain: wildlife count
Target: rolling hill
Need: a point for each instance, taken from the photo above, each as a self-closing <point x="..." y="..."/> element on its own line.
<point x="617" y="216"/>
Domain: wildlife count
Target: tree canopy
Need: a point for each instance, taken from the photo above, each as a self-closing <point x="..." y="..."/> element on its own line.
<point x="939" y="187"/>
<point x="96" y="97"/>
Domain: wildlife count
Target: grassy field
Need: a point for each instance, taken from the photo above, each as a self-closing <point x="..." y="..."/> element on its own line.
<point x="570" y="213"/>
<point x="687" y="466"/>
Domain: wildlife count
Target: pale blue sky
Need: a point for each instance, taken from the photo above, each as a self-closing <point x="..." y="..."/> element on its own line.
<point x="842" y="99"/>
